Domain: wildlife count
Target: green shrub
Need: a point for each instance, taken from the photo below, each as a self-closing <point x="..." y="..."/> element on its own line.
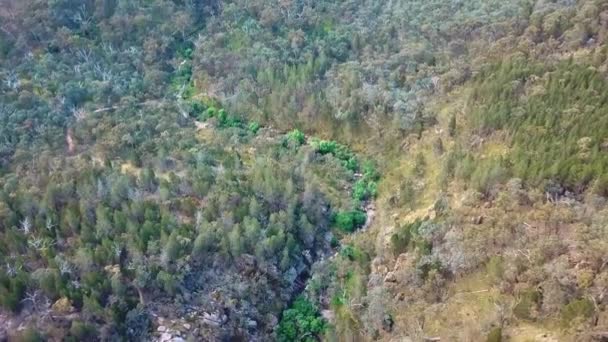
<point x="12" y="290"/>
<point x="403" y="235"/>
<point x="348" y="252"/>
<point x="254" y="127"/>
<point x="576" y="310"/>
<point x="211" y="111"/>
<point x="495" y="335"/>
<point x="495" y="268"/>
<point x="400" y="241"/>
<point x="296" y="136"/>
<point x="80" y="331"/>
<point x="528" y="300"/>
<point x="349" y="221"/>
<point x="360" y="191"/>
<point x="339" y="151"/>
<point x="29" y="335"/>
<point x="301" y="322"/>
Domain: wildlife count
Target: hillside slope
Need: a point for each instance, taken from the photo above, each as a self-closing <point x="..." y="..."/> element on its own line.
<point x="297" y="170"/>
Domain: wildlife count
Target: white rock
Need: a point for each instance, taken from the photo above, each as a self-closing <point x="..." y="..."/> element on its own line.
<point x="161" y="328"/>
<point x="165" y="337"/>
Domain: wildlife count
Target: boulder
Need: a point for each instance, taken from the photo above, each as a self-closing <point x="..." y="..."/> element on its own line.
<point x="390" y="278"/>
<point x="63" y="306"/>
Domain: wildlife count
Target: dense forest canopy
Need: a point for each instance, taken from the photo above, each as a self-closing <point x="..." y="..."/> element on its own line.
<point x="300" y="170"/>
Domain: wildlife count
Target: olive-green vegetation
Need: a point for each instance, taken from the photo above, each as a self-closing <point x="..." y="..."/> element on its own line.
<point x="208" y="161"/>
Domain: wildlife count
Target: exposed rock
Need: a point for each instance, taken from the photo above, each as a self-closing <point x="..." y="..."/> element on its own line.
<point x="161" y="328"/>
<point x="164" y="337"/>
<point x="402" y="261"/>
<point x="187" y="326"/>
<point x="382" y="269"/>
<point x="252" y="324"/>
<point x="212" y="319"/>
<point x="390" y="278"/>
<point x="328" y="315"/>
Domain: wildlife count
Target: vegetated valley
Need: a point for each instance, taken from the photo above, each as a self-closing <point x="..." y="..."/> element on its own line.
<point x="296" y="170"/>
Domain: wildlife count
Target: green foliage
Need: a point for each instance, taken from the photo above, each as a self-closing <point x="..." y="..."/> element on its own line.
<point x="339" y="151"/>
<point x="80" y="331"/>
<point x="254" y="127"/>
<point x="578" y="309"/>
<point x="29" y="334"/>
<point x="138" y="324"/>
<point x="495" y="268"/>
<point x="495" y="335"/>
<point x="296" y="137"/>
<point x="452" y="126"/>
<point x="301" y="322"/>
<point x="419" y="165"/>
<point x="526" y="302"/>
<point x="557" y="131"/>
<point x="349" y="221"/>
<point x="12" y="290"/>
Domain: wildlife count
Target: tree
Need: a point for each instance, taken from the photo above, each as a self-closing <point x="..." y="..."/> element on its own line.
<point x="171" y="250"/>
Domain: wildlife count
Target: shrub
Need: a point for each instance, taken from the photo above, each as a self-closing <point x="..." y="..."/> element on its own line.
<point x="495" y="335"/>
<point x="348" y="252"/>
<point x="401" y="239"/>
<point x="576" y="310"/>
<point x="12" y="290"/>
<point x="137" y="325"/>
<point x="80" y="331"/>
<point x="360" y="191"/>
<point x="29" y="335"/>
<point x="349" y="221"/>
<point x="495" y="268"/>
<point x="296" y="136"/>
<point x="254" y="127"/>
<point x="528" y="300"/>
<point x="302" y="322"/>
<point x="211" y="111"/>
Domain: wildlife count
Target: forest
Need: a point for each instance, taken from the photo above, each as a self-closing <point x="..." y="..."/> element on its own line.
<point x="295" y="170"/>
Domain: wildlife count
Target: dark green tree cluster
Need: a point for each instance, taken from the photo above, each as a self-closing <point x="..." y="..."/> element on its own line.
<point x="558" y="131"/>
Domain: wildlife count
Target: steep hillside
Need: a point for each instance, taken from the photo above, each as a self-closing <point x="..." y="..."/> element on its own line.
<point x="303" y="170"/>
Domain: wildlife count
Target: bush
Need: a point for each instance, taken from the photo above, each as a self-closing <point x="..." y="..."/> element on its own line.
<point x="349" y="221"/>
<point x="302" y="322"/>
<point x="12" y="290"/>
<point x="296" y="136"/>
<point x="401" y="239"/>
<point x="254" y="127"/>
<point x="495" y="335"/>
<point x="576" y="310"/>
<point x="29" y="335"/>
<point x="137" y="325"/>
<point x="80" y="331"/>
<point x="528" y="300"/>
<point x="339" y="151"/>
<point x="495" y="268"/>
